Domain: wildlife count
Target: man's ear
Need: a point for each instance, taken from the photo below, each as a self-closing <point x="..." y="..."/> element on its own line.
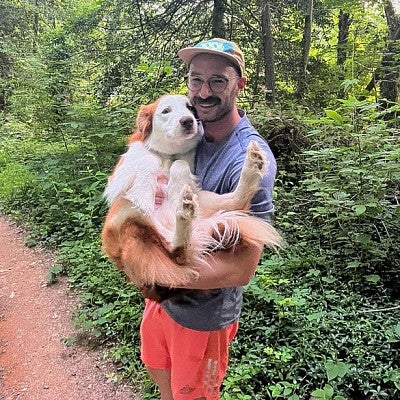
<point x="242" y="82"/>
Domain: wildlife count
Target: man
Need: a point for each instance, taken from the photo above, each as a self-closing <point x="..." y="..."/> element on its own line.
<point x="185" y="342"/>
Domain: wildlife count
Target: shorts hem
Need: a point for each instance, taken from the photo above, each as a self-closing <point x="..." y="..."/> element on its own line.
<point x="156" y="366"/>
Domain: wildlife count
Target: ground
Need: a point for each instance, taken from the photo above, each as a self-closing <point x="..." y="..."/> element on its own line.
<point x="35" y="361"/>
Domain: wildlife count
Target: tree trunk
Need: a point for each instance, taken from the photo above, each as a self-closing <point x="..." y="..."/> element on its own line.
<point x="268" y="47"/>
<point x="36" y="21"/>
<point x="343" y="35"/>
<point x="389" y="88"/>
<point x="4" y="74"/>
<point x="301" y="83"/>
<point x="388" y="73"/>
<point x="341" y="50"/>
<point x="218" y="25"/>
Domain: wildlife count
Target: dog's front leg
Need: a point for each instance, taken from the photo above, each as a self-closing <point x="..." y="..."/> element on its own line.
<point x="180" y="176"/>
<point x="142" y="192"/>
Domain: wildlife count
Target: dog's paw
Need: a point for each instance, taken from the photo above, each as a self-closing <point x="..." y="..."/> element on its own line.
<point x="188" y="204"/>
<point x="255" y="159"/>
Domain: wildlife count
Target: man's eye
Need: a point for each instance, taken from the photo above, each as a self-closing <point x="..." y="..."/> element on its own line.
<point x="217" y="81"/>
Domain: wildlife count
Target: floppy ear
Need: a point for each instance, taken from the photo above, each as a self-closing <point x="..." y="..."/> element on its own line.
<point x="193" y="110"/>
<point x="144" y="122"/>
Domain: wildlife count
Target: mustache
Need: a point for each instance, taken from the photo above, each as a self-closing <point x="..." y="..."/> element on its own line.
<point x="209" y="100"/>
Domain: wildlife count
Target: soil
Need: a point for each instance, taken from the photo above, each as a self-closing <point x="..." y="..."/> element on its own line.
<point x="35" y="361"/>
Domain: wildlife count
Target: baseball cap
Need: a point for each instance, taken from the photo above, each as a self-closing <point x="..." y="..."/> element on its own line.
<point x="222" y="47"/>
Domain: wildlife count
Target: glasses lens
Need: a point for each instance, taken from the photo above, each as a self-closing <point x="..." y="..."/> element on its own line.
<point x="218" y="85"/>
<point x="194" y="83"/>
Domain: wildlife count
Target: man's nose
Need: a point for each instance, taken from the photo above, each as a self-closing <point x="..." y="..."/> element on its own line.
<point x="205" y="90"/>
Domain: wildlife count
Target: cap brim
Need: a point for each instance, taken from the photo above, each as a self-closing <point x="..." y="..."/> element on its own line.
<point x="187" y="54"/>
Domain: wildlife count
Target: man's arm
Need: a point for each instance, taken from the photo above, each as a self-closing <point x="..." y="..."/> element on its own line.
<point x="228" y="268"/>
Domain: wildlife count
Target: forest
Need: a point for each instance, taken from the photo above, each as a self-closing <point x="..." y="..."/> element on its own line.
<point x="321" y="318"/>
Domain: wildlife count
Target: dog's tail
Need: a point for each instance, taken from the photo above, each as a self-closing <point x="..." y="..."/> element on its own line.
<point x="229" y="228"/>
<point x="146" y="257"/>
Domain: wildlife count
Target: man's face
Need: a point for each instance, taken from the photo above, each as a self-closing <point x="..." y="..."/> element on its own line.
<point x="213" y="105"/>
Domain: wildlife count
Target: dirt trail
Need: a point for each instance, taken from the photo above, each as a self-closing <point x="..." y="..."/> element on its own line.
<point x="34" y="318"/>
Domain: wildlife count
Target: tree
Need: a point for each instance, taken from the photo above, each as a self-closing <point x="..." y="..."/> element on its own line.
<point x="388" y="72"/>
<point x="268" y="50"/>
<point x="343" y="36"/>
<point x="218" y="26"/>
<point x="306" y="44"/>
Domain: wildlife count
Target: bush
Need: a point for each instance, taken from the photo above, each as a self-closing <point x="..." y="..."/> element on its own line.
<point x="15" y="180"/>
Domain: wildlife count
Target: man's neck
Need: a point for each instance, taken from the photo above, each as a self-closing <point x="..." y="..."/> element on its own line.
<point x="219" y="130"/>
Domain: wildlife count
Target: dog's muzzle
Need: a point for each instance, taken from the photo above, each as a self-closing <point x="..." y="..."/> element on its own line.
<point x="187" y="123"/>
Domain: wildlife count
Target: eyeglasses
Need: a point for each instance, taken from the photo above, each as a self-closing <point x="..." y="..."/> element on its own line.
<point x="216" y="84"/>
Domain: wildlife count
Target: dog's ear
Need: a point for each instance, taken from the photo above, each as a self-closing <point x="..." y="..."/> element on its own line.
<point x="144" y="120"/>
<point x="144" y="123"/>
<point x="193" y="110"/>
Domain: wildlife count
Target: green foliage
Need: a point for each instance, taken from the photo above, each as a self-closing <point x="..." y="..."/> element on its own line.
<point x="321" y="318"/>
<point x="314" y="319"/>
<point x="327" y="393"/>
<point x="15" y="180"/>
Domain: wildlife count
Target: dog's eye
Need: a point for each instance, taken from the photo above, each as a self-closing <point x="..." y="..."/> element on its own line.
<point x="166" y="110"/>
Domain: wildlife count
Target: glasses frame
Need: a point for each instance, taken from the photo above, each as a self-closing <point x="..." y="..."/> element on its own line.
<point x="208" y="82"/>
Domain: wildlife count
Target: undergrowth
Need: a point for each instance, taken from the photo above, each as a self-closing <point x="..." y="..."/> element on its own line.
<point x="321" y="318"/>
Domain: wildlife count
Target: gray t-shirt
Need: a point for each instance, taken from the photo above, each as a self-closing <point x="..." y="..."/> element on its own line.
<point x="218" y="167"/>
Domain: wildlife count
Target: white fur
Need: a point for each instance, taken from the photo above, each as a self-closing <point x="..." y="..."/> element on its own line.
<point x="135" y="177"/>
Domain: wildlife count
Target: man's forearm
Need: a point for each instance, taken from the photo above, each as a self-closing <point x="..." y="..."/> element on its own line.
<point x="228" y="268"/>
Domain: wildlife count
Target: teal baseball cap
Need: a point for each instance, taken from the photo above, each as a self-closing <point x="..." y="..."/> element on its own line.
<point x="221" y="47"/>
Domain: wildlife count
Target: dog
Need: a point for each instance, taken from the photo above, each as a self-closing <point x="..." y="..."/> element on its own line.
<point x="167" y="244"/>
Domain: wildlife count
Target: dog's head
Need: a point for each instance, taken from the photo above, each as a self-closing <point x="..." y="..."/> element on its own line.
<point x="168" y="125"/>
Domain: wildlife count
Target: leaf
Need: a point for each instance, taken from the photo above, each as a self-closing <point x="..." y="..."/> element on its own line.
<point x="315" y="316"/>
<point x="328" y="279"/>
<point x="353" y="264"/>
<point x="334" y="115"/>
<point x="318" y="393"/>
<point x="372" y="278"/>
<point x="328" y="389"/>
<point x="397" y="330"/>
<point x="359" y="209"/>
<point x="334" y="370"/>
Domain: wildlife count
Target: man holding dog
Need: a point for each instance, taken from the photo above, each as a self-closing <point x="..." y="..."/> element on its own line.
<point x="185" y="341"/>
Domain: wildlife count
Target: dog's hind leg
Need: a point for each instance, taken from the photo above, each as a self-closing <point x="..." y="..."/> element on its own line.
<point x="254" y="167"/>
<point x="185" y="214"/>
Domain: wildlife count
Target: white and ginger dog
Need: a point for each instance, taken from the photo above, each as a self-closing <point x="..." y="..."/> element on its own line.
<point x="167" y="244"/>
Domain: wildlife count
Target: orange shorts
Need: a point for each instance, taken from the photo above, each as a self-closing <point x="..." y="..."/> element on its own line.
<point x="198" y="360"/>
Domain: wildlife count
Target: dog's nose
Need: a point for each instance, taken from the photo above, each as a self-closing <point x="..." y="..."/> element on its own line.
<point x="186" y="122"/>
